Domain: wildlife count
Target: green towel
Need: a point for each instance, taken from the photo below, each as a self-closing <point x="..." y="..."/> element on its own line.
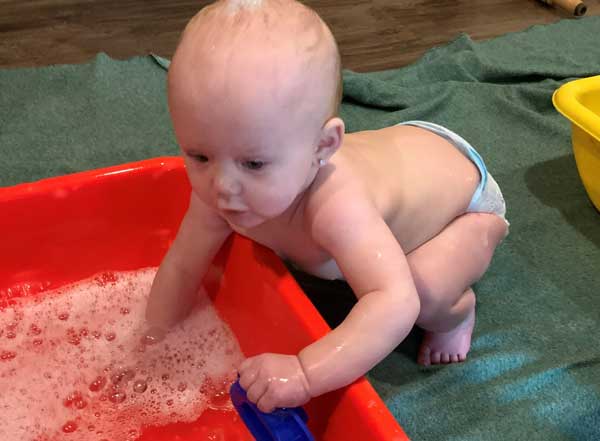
<point x="534" y="369"/>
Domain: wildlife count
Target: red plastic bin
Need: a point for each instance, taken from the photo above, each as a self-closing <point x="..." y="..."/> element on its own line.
<point x="61" y="230"/>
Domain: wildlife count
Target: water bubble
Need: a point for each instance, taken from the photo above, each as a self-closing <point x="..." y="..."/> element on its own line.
<point x="105" y="278"/>
<point x="34" y="329"/>
<point x="181" y="387"/>
<point x="7" y="355"/>
<point x="97" y="384"/>
<point x="220" y="401"/>
<point x="110" y="336"/>
<point x="122" y="375"/>
<point x="117" y="395"/>
<point x="153" y="336"/>
<point x="75" y="399"/>
<point x="69" y="427"/>
<point x="140" y="386"/>
<point x="63" y="316"/>
<point x="73" y="337"/>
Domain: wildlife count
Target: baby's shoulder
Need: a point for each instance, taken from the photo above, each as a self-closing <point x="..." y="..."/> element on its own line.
<point x="336" y="198"/>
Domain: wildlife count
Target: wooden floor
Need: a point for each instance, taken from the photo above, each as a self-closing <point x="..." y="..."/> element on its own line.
<point x="372" y="34"/>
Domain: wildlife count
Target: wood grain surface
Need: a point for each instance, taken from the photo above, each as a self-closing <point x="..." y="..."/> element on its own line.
<point x="372" y="35"/>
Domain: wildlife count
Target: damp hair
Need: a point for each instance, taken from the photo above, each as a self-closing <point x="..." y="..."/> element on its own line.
<point x="236" y="16"/>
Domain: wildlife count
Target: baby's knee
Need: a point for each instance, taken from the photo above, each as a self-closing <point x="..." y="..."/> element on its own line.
<point x="491" y="227"/>
<point x="442" y="314"/>
<point x="485" y="232"/>
<point x="437" y="298"/>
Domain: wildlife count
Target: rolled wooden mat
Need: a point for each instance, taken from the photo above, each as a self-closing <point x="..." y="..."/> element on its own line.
<point x="575" y="7"/>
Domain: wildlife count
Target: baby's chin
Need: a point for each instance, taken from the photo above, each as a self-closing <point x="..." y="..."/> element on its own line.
<point x="244" y="219"/>
<point x="248" y="219"/>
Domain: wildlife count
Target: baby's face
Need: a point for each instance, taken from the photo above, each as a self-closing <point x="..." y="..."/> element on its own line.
<point x="248" y="101"/>
<point x="245" y="157"/>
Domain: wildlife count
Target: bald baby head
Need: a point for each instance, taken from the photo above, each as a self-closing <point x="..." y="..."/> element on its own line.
<point x="248" y="53"/>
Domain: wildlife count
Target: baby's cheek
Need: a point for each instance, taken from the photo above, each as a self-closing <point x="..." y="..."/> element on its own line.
<point x="269" y="198"/>
<point x="280" y="201"/>
<point x="200" y="191"/>
<point x="203" y="193"/>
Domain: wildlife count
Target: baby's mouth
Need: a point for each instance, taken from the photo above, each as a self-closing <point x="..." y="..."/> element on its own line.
<point x="232" y="211"/>
<point x="226" y="208"/>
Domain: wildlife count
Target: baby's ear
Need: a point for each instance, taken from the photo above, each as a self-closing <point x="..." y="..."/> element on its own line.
<point x="332" y="135"/>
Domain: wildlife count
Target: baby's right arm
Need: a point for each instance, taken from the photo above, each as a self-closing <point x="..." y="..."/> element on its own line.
<point x="176" y="285"/>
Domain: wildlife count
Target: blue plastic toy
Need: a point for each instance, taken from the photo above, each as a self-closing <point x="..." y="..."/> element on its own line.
<point x="283" y="424"/>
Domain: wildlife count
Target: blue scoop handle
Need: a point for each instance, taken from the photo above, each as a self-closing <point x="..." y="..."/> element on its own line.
<point x="283" y="424"/>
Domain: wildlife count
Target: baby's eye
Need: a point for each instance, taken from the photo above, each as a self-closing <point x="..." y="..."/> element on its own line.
<point x="254" y="165"/>
<point x="199" y="158"/>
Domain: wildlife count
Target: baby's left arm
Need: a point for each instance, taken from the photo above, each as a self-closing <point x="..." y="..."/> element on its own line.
<point x="376" y="268"/>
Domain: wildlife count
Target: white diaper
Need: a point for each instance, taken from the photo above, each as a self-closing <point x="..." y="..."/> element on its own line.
<point x="487" y="197"/>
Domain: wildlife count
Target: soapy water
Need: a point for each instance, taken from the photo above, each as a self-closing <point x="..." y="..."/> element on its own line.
<point x="74" y="366"/>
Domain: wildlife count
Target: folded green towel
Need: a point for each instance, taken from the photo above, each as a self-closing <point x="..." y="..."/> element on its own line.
<point x="534" y="370"/>
<point x="62" y="119"/>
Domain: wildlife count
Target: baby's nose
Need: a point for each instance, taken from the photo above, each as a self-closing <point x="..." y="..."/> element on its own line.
<point x="226" y="185"/>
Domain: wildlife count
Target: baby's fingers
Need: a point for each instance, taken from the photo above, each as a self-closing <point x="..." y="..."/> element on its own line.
<point x="256" y="391"/>
<point x="271" y="398"/>
<point x="247" y="363"/>
<point x="248" y="373"/>
<point x="265" y="404"/>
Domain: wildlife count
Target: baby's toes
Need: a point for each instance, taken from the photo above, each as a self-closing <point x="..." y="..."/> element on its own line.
<point x="424" y="357"/>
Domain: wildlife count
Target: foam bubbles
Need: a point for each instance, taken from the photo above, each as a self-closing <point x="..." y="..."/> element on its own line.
<point x="73" y="365"/>
<point x="237" y="5"/>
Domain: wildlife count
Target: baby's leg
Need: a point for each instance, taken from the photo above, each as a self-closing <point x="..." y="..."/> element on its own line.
<point x="443" y="270"/>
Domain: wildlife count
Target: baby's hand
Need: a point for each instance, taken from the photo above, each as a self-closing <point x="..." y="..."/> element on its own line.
<point x="274" y="380"/>
<point x="153" y="335"/>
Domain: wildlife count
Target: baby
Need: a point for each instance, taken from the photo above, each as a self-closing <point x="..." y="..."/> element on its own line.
<point x="407" y="215"/>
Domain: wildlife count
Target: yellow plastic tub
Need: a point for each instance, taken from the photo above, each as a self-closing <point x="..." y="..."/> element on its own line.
<point x="579" y="101"/>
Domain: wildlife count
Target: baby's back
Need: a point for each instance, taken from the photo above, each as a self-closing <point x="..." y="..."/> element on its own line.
<point x="418" y="180"/>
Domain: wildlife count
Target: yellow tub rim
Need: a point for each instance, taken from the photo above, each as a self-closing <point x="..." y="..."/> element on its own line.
<point x="566" y="100"/>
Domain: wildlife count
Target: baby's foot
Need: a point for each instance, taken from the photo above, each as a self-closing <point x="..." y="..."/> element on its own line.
<point x="447" y="347"/>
